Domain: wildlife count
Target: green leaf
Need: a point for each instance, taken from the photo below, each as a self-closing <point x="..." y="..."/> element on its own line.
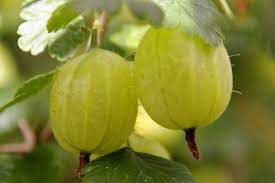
<point x="33" y="32"/>
<point x="61" y="17"/>
<point x="128" y="166"/>
<point x="66" y="41"/>
<point x="63" y="44"/>
<point x="193" y="16"/>
<point x="147" y="10"/>
<point x="29" y="88"/>
<point x="112" y="6"/>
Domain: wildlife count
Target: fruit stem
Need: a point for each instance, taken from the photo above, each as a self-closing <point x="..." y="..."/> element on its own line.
<point x="101" y="22"/>
<point x="191" y="141"/>
<point x="84" y="159"/>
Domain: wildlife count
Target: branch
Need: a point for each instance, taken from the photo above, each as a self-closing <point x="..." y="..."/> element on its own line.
<point x="21" y="148"/>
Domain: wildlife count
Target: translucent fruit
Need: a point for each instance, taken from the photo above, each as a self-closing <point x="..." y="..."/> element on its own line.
<point x="93" y="105"/>
<point x="182" y="82"/>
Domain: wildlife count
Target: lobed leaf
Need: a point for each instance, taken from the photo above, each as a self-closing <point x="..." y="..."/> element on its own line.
<point x="50" y="22"/>
<point x="128" y="166"/>
<point x="193" y="16"/>
<point x="66" y="41"/>
<point x="97" y="5"/>
<point x="34" y="36"/>
<point x="61" y="17"/>
<point x="147" y="10"/>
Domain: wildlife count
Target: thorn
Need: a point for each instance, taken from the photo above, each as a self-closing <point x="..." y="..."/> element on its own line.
<point x="191" y="141"/>
<point x="235" y="55"/>
<point x="238" y="92"/>
<point x="84" y="159"/>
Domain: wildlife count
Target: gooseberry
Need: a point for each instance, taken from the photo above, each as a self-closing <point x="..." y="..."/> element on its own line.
<point x="182" y="82"/>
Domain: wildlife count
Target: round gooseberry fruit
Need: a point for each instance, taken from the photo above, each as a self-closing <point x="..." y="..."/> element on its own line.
<point x="93" y="103"/>
<point x="182" y="82"/>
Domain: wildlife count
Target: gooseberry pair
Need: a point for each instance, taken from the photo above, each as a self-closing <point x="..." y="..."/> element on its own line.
<point x="182" y="82"/>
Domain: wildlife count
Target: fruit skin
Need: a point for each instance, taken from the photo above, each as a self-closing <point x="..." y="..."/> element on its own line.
<point x="182" y="82"/>
<point x="93" y="104"/>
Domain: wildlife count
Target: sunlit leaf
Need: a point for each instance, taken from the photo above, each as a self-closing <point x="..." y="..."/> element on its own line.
<point x="61" y="17"/>
<point x="34" y="36"/>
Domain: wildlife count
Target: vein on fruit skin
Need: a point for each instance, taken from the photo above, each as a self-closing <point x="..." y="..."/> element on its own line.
<point x="160" y="85"/>
<point x="70" y="125"/>
<point x="66" y="139"/>
<point x="97" y="147"/>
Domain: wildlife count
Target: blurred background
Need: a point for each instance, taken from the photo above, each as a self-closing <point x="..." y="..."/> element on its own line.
<point x="238" y="148"/>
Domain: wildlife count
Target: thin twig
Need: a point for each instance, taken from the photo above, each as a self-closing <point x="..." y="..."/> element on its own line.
<point x="88" y="30"/>
<point x="238" y="92"/>
<point x="21" y="148"/>
<point x="45" y="134"/>
<point x="101" y="24"/>
<point x="235" y="55"/>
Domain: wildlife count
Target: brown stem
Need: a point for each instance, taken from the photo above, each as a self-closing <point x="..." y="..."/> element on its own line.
<point x="45" y="134"/>
<point x="88" y="30"/>
<point x="84" y="159"/>
<point x="21" y="148"/>
<point x="191" y="141"/>
<point x="102" y="27"/>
